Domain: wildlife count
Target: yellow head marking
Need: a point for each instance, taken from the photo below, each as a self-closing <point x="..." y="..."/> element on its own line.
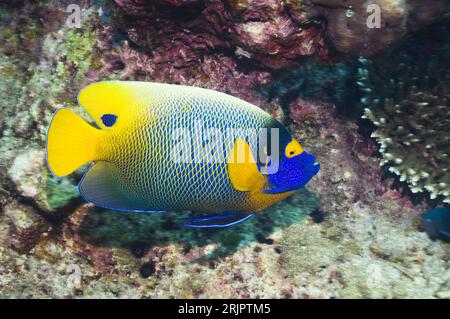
<point x="293" y="149"/>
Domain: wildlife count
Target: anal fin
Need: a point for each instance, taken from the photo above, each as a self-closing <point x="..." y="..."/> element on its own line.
<point x="102" y="186"/>
<point x="224" y="220"/>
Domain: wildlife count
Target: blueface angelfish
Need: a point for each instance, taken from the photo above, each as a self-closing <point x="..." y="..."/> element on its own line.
<point x="132" y="150"/>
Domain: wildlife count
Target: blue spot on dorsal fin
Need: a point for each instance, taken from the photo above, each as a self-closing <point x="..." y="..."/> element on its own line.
<point x="108" y="119"/>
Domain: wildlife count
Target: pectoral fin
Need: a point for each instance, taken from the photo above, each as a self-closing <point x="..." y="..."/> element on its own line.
<point x="278" y="190"/>
<point x="242" y="169"/>
<point x="224" y="220"/>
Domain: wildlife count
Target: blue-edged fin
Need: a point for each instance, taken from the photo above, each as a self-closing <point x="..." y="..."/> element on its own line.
<point x="224" y="220"/>
<point x="101" y="186"/>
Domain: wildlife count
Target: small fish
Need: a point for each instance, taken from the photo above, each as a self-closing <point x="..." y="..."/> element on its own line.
<point x="139" y="136"/>
<point x="436" y="223"/>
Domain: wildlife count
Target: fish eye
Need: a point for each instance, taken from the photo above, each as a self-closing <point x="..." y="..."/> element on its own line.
<point x="293" y="149"/>
<point x="109" y="119"/>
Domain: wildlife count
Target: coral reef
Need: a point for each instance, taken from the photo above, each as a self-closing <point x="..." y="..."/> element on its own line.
<point x="40" y="62"/>
<point x="348" y="235"/>
<point x="407" y="99"/>
<point x="273" y="33"/>
<point x="314" y="81"/>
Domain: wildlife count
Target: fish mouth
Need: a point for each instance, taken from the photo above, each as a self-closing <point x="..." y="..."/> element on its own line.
<point x="315" y="167"/>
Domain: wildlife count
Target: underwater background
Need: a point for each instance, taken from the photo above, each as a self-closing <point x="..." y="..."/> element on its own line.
<point x="370" y="101"/>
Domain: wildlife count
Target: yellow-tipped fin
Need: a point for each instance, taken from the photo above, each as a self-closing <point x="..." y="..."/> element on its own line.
<point x="242" y="169"/>
<point x="71" y="142"/>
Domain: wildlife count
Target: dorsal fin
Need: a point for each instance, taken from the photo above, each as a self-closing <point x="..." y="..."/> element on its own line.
<point x="242" y="169"/>
<point x="115" y="98"/>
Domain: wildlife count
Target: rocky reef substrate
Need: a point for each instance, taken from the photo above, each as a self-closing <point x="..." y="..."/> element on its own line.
<point x="353" y="233"/>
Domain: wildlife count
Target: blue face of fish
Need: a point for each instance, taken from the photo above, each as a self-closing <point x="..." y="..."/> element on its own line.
<point x="296" y="168"/>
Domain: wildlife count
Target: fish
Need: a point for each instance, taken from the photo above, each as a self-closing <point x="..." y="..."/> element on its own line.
<point x="156" y="147"/>
<point x="436" y="223"/>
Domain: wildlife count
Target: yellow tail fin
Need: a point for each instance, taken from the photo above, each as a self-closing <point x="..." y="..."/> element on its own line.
<point x="71" y="142"/>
